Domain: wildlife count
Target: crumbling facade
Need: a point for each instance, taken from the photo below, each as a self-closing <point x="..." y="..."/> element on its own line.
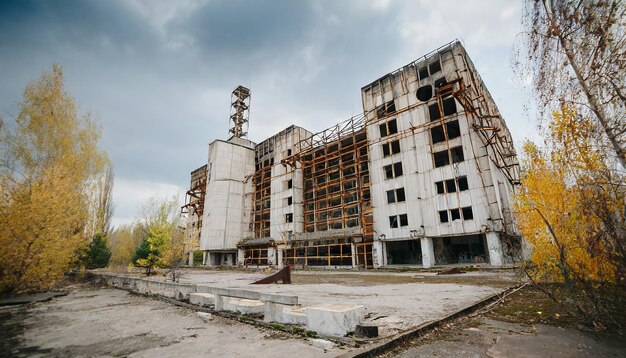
<point x="424" y="176"/>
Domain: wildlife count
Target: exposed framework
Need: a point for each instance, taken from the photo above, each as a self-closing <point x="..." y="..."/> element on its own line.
<point x="194" y="198"/>
<point x="239" y="111"/>
<point x="337" y="196"/>
<point x="261" y="180"/>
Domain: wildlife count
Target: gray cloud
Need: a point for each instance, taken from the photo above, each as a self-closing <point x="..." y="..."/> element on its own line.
<point x="158" y="74"/>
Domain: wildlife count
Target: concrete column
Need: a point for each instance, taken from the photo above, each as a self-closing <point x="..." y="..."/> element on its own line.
<point x="496" y="257"/>
<point x="191" y="258"/>
<point x="219" y="303"/>
<point x="279" y="252"/>
<point x="240" y="257"/>
<point x="428" y="252"/>
<point x="378" y="253"/>
<point x="271" y="256"/>
<point x="204" y="258"/>
<point x="353" y="250"/>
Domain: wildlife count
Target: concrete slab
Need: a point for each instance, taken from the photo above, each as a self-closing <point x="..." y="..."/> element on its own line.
<point x="202" y="299"/>
<point x="334" y="320"/>
<point x="243" y="305"/>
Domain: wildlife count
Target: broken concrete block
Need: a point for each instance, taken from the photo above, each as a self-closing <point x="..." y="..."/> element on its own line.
<point x="202" y="299"/>
<point x="275" y="312"/>
<point x="322" y="343"/>
<point x="334" y="320"/>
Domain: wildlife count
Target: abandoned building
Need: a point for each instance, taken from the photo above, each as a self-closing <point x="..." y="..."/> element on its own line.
<point x="424" y="176"/>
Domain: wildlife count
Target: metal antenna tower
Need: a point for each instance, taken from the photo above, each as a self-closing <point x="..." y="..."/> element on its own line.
<point x="239" y="111"/>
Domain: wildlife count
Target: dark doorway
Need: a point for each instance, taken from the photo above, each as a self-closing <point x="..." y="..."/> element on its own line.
<point x="460" y="249"/>
<point x="407" y="252"/>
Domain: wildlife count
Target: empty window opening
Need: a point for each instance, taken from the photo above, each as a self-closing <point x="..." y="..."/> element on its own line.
<point x="289" y="183"/>
<point x="467" y="213"/>
<point x="460" y="249"/>
<point x="439" y="186"/>
<point x="395" y="147"/>
<point x="424" y="93"/>
<point x="450" y="186"/>
<point x="433" y="111"/>
<point x="455" y="214"/>
<point x="400" y="196"/>
<point x="423" y="73"/>
<point x="408" y="252"/>
<point x="289" y="218"/>
<point x="288" y="152"/>
<point x="388" y="171"/>
<point x="449" y="106"/>
<point x="443" y="216"/>
<point x="391" y="198"/>
<point x="441" y="158"/>
<point x="435" y="67"/>
<point x="404" y="220"/>
<point x="289" y="200"/>
<point x="388" y="128"/>
<point x="437" y="134"/>
<point x="457" y="154"/>
<point x="390" y="107"/>
<point x="440" y="82"/>
<point x="463" y="184"/>
<point x="397" y="169"/>
<point x="453" y="129"/>
<point x="386" y="150"/>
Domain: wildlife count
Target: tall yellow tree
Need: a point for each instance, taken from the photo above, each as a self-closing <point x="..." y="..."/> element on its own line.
<point x="49" y="162"/>
<point x="571" y="210"/>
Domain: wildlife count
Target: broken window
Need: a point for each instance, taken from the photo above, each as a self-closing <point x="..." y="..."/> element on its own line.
<point x="457" y="154"/>
<point x="390" y="197"/>
<point x="435" y="67"/>
<point x="437" y="134"/>
<point x="467" y="213"/>
<point x="400" y="197"/>
<point x="289" y="200"/>
<point x="393" y="222"/>
<point x="391" y="107"/>
<point x="455" y="214"/>
<point x="380" y="111"/>
<point x="449" y="106"/>
<point x="433" y="111"/>
<point x="386" y="152"/>
<point x="289" y="183"/>
<point x="423" y="73"/>
<point x="424" y="93"/>
<point x="463" y="184"/>
<point x="450" y="186"/>
<point x="383" y="130"/>
<point x="441" y="158"/>
<point x="439" y="186"/>
<point x="404" y="220"/>
<point x="453" y="129"/>
<point x="443" y="216"/>
<point x="289" y="218"/>
<point x="288" y="152"/>
<point x="388" y="171"/>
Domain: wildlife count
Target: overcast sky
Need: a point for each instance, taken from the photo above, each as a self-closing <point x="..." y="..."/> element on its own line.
<point x="158" y="74"/>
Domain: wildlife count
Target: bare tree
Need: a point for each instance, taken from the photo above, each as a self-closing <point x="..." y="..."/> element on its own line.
<point x="575" y="52"/>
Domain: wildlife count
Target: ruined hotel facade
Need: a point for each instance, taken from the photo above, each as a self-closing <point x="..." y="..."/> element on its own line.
<point x="425" y="176"/>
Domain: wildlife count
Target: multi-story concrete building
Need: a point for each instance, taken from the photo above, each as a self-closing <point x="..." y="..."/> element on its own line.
<point x="424" y="176"/>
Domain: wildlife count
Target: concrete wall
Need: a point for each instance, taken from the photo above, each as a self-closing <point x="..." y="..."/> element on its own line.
<point x="228" y="203"/>
<point x="489" y="191"/>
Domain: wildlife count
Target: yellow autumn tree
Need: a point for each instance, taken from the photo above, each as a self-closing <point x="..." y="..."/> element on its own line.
<point x="571" y="211"/>
<point x="49" y="164"/>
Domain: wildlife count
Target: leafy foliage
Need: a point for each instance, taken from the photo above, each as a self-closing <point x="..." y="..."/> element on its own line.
<point x="571" y="210"/>
<point x="98" y="253"/>
<point x="48" y="164"/>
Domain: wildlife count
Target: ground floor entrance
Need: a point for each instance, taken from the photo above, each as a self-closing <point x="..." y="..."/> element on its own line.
<point x="460" y="249"/>
<point x="405" y="252"/>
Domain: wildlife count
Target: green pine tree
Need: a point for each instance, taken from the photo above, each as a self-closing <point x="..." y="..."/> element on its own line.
<point x="98" y="252"/>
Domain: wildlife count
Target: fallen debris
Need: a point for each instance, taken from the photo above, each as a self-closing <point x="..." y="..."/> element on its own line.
<point x="451" y="271"/>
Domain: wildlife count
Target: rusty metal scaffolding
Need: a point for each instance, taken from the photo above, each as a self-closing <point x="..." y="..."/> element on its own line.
<point x="239" y="111"/>
<point x="194" y="198"/>
<point x="261" y="180"/>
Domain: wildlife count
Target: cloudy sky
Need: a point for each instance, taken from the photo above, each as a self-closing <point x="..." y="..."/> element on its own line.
<point x="158" y="74"/>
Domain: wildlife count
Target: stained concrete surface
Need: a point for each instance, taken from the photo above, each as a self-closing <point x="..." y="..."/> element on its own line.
<point x="107" y="322"/>
<point x="487" y="338"/>
<point x="393" y="301"/>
